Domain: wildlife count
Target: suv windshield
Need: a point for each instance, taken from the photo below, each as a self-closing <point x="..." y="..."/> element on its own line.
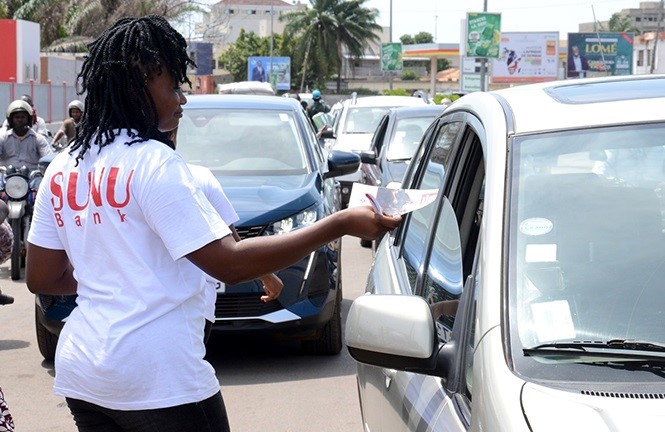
<point x="587" y="251"/>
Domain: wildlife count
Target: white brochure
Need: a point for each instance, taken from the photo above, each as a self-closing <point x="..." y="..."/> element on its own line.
<point x="391" y="202"/>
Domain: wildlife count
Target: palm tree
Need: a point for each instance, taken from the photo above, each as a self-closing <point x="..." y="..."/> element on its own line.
<point x="329" y="27"/>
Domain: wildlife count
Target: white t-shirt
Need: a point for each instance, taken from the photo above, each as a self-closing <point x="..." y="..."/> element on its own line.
<point x="206" y="181"/>
<point x="126" y="216"/>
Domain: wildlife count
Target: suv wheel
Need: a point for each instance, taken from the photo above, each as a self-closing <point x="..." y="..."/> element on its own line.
<point x="329" y="341"/>
<point x="46" y="341"/>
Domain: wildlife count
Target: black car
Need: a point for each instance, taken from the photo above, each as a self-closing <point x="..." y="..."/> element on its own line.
<point x="278" y="177"/>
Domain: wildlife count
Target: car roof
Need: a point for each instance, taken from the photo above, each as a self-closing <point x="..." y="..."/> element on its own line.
<point x="416" y="111"/>
<point x="242" y="101"/>
<point x="383" y="101"/>
<point x="573" y="104"/>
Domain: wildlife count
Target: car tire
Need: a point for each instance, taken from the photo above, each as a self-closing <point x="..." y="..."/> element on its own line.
<point x="329" y="341"/>
<point x="46" y="341"/>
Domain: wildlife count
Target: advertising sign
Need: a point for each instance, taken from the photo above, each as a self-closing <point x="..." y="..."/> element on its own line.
<point x="527" y="57"/>
<point x="483" y="34"/>
<point x="391" y="57"/>
<point x="599" y="54"/>
<point x="258" y="69"/>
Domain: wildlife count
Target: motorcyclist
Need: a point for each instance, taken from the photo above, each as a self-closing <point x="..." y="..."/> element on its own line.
<point x="22" y="146"/>
<point x="318" y="105"/>
<point x="38" y="123"/>
<point x="71" y="125"/>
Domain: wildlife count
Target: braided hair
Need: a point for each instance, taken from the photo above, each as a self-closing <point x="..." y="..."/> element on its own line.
<point x="114" y="77"/>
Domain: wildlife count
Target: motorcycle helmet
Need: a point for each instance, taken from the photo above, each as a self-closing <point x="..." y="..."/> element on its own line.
<point x="74" y="104"/>
<point x="18" y="106"/>
<point x="316" y="94"/>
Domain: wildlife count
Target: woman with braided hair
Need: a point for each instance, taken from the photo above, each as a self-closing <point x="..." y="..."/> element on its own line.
<point x="118" y="221"/>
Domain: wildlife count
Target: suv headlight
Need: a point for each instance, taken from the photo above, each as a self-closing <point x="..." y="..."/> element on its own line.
<point x="304" y="218"/>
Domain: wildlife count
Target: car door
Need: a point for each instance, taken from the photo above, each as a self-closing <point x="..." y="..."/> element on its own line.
<point x="423" y="256"/>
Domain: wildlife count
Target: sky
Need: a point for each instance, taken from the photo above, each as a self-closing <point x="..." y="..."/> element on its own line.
<point x="442" y="18"/>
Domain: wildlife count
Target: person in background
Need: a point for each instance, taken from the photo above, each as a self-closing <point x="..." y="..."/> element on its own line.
<point x="6" y="420"/>
<point x="131" y="355"/>
<point x="21" y="145"/>
<point x="38" y="123"/>
<point x="318" y="105"/>
<point x="71" y="125"/>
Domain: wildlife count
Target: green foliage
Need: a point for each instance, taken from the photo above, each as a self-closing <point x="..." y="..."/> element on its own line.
<point x="326" y="30"/>
<point x="409" y="76"/>
<point x="360" y="91"/>
<point x="423" y="37"/>
<point x="622" y="23"/>
<point x="397" y="92"/>
<point x="439" y="97"/>
<point x="248" y="44"/>
<point x="406" y="39"/>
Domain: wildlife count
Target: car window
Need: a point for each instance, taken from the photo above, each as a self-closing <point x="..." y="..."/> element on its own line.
<point x="363" y="120"/>
<point x="406" y="137"/>
<point x="436" y="166"/>
<point x="234" y="142"/>
<point x="455" y="236"/>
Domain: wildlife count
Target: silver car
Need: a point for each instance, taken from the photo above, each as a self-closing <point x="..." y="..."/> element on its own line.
<point x="530" y="296"/>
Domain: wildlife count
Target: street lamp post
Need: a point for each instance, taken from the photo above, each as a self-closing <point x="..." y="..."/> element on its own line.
<point x="390" y="39"/>
<point x="272" y="37"/>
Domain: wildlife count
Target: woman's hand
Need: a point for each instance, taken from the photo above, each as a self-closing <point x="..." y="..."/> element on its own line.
<point x="272" y="285"/>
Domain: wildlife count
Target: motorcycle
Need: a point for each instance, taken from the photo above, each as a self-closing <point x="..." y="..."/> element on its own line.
<point x="19" y="187"/>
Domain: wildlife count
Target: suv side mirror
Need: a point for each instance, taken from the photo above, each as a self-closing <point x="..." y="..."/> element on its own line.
<point x="368" y="157"/>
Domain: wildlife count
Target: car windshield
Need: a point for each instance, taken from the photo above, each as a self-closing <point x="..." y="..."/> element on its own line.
<point x="363" y="120"/>
<point x="587" y="250"/>
<point x="240" y="142"/>
<point x="406" y="137"/>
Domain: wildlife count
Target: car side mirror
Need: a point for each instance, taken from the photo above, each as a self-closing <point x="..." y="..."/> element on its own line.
<point x="341" y="163"/>
<point x="368" y="157"/>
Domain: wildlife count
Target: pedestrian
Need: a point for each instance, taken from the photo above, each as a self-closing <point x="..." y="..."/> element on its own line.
<point x="70" y="126"/>
<point x="21" y="145"/>
<point x="122" y="224"/>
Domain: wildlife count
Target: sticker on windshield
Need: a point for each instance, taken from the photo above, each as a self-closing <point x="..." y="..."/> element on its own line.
<point x="553" y="321"/>
<point x="536" y="226"/>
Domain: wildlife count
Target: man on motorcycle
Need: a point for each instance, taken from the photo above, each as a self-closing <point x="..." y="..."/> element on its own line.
<point x="22" y="146"/>
<point x="70" y="126"/>
<point x="38" y="123"/>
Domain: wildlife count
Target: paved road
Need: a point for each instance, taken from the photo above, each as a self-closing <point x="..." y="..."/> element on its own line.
<point x="267" y="386"/>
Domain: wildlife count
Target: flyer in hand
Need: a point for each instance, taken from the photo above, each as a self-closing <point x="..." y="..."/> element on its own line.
<point x="390" y="201"/>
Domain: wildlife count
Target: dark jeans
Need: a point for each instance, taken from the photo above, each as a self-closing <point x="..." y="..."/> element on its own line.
<point x="205" y="416"/>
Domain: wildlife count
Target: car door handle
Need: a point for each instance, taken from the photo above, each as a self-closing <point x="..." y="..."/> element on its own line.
<point x="390" y="375"/>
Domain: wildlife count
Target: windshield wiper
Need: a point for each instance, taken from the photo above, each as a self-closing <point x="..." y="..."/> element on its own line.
<point x="614" y="348"/>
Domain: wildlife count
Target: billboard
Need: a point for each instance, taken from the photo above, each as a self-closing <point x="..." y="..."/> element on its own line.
<point x="526" y="57"/>
<point x="391" y="57"/>
<point x="599" y="54"/>
<point x="259" y="69"/>
<point x="483" y="34"/>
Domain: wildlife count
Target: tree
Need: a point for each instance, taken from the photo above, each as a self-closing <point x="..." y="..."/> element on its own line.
<point x="329" y="27"/>
<point x="406" y="39"/>
<point x="423" y="37"/>
<point x="622" y="23"/>
<point x="70" y="25"/>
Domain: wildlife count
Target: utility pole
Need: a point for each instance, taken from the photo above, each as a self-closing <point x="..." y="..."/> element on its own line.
<point x="655" y="42"/>
<point x="483" y="62"/>
<point x="272" y="37"/>
<point x="390" y="39"/>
